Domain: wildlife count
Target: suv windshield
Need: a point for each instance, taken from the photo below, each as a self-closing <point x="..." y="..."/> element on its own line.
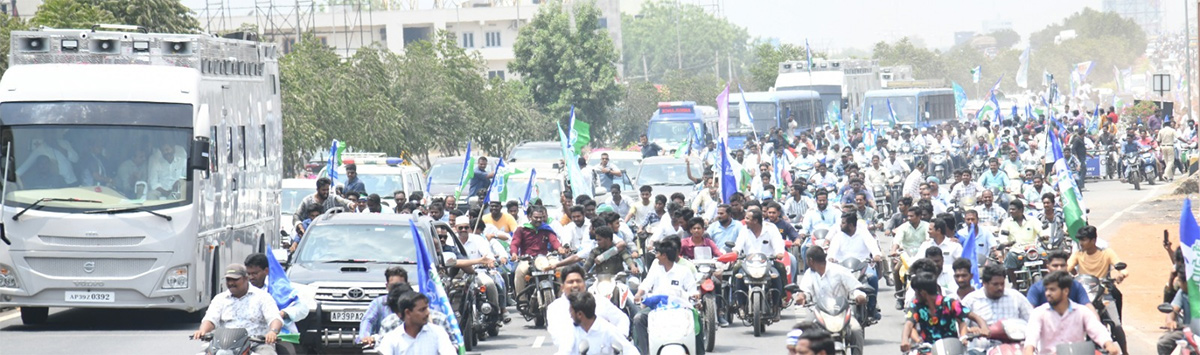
<point x="70" y="150"/>
<point x="534" y="153"/>
<point x="446" y="173"/>
<point x="666" y="174"/>
<point x="377" y="243"/>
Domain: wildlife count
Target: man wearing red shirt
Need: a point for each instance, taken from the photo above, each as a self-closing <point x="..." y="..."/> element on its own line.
<point x="532" y="239"/>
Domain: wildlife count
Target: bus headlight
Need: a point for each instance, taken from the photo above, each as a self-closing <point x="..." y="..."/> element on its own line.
<point x="176" y="278"/>
<point x="8" y="277"/>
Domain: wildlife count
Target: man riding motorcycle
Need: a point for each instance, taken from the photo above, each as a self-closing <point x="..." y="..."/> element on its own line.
<point x="245" y="307"/>
<point x="759" y="238"/>
<point x="532" y="239"/>
<point x="822" y="274"/>
<point x="1021" y="233"/>
<point x="854" y="242"/>
<point x="996" y="180"/>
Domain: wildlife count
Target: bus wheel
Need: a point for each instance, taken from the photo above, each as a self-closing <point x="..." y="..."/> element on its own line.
<point x="34" y="315"/>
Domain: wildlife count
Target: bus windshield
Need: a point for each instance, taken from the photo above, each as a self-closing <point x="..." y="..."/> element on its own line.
<point x="107" y="166"/>
<point x="763" y="113"/>
<point x="905" y="107"/>
<point x="670" y="131"/>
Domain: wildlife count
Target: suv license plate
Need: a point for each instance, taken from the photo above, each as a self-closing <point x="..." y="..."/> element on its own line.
<point x="91" y="297"/>
<point x="346" y="316"/>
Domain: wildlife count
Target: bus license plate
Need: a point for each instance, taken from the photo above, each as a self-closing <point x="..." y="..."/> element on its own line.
<point x="81" y="296"/>
<point x="346" y="316"/>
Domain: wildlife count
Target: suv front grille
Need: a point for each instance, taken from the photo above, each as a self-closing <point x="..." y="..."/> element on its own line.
<point x="363" y="294"/>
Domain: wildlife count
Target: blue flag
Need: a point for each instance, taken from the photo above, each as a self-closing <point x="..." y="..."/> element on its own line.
<point x="960" y="99"/>
<point x="728" y="181"/>
<point x="279" y="286"/>
<point x="497" y="181"/>
<point x="466" y="165"/>
<point x="808" y="54"/>
<point x="1014" y="112"/>
<point x="997" y="111"/>
<point x="529" y="187"/>
<point x="1188" y="234"/>
<point x="891" y="112"/>
<point x="333" y="163"/>
<point x="968" y="252"/>
<point x="430" y="284"/>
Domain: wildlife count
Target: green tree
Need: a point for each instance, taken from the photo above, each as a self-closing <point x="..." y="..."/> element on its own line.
<point x="767" y="58"/>
<point x="1006" y="38"/>
<point x="163" y="16"/>
<point x="71" y="14"/>
<point x="564" y="65"/>
<point x="680" y="37"/>
<point x="308" y="109"/>
<point x="925" y="64"/>
<point x="638" y="102"/>
<point x="7" y="25"/>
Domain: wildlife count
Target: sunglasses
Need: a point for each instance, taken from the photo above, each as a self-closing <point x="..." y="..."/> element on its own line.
<point x="461" y="229"/>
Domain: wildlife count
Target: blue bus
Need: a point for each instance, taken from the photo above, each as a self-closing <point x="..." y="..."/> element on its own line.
<point x="774" y="109"/>
<point x="673" y="123"/>
<point x="913" y="107"/>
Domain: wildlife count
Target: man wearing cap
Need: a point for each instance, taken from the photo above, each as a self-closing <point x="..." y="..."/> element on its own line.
<point x="242" y="306"/>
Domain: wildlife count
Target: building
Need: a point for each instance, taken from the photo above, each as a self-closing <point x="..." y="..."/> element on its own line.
<point x="990" y="26"/>
<point x="486" y="27"/>
<point x="1146" y="13"/>
<point x="22" y="8"/>
<point x="961" y="37"/>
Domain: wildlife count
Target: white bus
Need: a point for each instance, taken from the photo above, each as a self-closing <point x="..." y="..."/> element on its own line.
<point x="138" y="166"/>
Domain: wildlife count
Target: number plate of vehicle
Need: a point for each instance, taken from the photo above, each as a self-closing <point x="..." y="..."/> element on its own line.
<point x="346" y="316"/>
<point x="91" y="297"/>
<point x="1035" y="262"/>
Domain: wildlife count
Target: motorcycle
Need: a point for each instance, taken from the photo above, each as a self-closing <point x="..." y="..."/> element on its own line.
<point x="1004" y="337"/>
<point x="978" y="165"/>
<point x="756" y="270"/>
<point x="236" y="341"/>
<point x="834" y="313"/>
<point x="804" y="170"/>
<point x="1102" y="300"/>
<point x="1032" y="269"/>
<point x="706" y="278"/>
<point x="478" y="318"/>
<point x="939" y="160"/>
<point x="858" y="268"/>
<point x="881" y="201"/>
<point x="1149" y="167"/>
<point x="1190" y="344"/>
<point x="541" y="288"/>
<point x="1133" y="171"/>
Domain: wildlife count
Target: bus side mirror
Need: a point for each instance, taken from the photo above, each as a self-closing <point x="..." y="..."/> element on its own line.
<point x="198" y="156"/>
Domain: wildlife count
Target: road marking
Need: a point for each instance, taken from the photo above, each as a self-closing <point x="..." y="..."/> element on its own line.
<point x="537" y="342"/>
<point x="15" y="313"/>
<point x="1114" y="217"/>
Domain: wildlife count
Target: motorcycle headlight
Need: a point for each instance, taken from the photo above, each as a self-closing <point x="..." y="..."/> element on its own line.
<point x="1032" y="255"/>
<point x="176" y="278"/>
<point x="833" y="323"/>
<point x="541" y="262"/>
<point x="756" y="270"/>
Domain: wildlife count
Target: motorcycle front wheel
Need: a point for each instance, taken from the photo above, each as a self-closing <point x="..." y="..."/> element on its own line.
<point x="756" y="314"/>
<point x="710" y="322"/>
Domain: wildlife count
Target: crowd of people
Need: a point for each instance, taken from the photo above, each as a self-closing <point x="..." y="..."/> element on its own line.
<point x="958" y="234"/>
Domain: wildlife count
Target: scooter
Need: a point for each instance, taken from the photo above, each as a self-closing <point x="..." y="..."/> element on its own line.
<point x="615" y="289"/>
<point x="1190" y="344"/>
<point x="1149" y="167"/>
<point x="1102" y="300"/>
<point x="235" y="341"/>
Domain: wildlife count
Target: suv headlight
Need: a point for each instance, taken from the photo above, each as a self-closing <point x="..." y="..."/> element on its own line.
<point x="176" y="278"/>
<point x="8" y="277"/>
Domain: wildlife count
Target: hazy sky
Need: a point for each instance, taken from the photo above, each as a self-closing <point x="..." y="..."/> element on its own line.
<point x="839" y="24"/>
<point x="861" y="23"/>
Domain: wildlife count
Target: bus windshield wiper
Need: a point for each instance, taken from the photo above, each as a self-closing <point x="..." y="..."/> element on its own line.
<point x="129" y="209"/>
<point x="39" y="202"/>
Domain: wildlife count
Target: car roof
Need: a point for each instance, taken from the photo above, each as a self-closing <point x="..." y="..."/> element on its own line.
<point x="299" y="184"/>
<point x="662" y="160"/>
<point x="456" y="159"/>
<point x="616" y="154"/>
<point x="343" y="218"/>
<point x="546" y="144"/>
<point x="370" y="169"/>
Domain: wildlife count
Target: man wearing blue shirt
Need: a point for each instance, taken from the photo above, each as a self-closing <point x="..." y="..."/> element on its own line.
<point x="1057" y="261"/>
<point x="368" y="327"/>
<point x="481" y="180"/>
<point x="726" y="229"/>
<point x="994" y="179"/>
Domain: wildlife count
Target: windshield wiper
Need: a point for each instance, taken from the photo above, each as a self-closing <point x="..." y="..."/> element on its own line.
<point x="356" y="261"/>
<point x="129" y="209"/>
<point x="39" y="202"/>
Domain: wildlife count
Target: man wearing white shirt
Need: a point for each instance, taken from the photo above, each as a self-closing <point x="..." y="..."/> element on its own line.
<point x="168" y="167"/>
<point x="757" y="238"/>
<point x="415" y="336"/>
<point x="601" y="337"/>
<point x="823" y="178"/>
<point x="558" y="313"/>
<point x="822" y="275"/>
<point x="912" y="183"/>
<point x="575" y="233"/>
<point x="854" y="242"/>
<point x="665" y="278"/>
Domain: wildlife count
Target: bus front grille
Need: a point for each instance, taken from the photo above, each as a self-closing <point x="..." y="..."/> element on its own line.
<point x="91" y="242"/>
<point x="90" y="267"/>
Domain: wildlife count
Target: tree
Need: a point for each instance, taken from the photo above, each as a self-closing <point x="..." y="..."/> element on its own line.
<point x="305" y="82"/>
<point x="564" y="65"/>
<point x="767" y="58"/>
<point x="1006" y="38"/>
<point x="71" y="14"/>
<point x="680" y="37"/>
<point x="164" y="16"/>
<point x="7" y="25"/>
<point x="925" y="63"/>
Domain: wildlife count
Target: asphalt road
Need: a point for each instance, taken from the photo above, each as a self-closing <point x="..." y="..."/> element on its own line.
<point x="95" y="331"/>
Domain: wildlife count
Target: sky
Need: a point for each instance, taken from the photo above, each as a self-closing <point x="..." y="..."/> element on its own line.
<point x="840" y="24"/>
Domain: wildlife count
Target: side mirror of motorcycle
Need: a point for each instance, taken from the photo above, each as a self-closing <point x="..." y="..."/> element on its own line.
<point x="1166" y="308"/>
<point x="1120" y="266"/>
<point x="729" y="244"/>
<point x="791" y="288"/>
<point x="866" y="288"/>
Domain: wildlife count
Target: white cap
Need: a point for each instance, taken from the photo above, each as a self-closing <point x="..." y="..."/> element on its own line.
<point x="462" y="220"/>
